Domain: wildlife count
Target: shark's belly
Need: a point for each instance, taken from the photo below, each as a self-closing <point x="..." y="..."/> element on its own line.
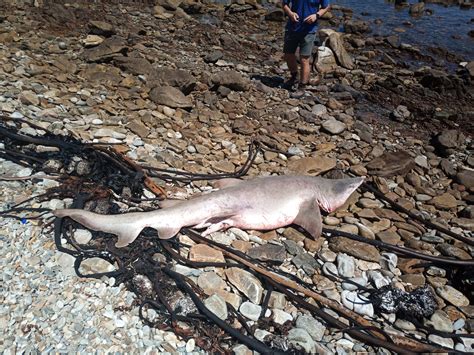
<point x="262" y="220"/>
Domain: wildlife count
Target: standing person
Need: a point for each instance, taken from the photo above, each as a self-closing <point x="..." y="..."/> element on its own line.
<point x="300" y="32"/>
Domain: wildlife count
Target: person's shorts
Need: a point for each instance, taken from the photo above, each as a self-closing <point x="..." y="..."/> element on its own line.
<point x="293" y="40"/>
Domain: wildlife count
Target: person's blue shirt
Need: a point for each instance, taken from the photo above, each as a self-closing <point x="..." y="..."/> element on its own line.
<point x="304" y="8"/>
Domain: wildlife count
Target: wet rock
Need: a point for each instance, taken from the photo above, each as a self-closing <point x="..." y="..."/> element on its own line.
<point x="170" y="96"/>
<point x="391" y="163"/>
<point x="217" y="306"/>
<point x="231" y="79"/>
<point x="313" y="166"/>
<point x="267" y="252"/>
<point x="246" y="283"/>
<point x="417" y="9"/>
<point x="354" y="248"/>
<point x="356" y="26"/>
<point x="314" y="328"/>
<point x="205" y="253"/>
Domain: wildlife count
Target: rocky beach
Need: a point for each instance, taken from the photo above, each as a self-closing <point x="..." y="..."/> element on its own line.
<point x="188" y="85"/>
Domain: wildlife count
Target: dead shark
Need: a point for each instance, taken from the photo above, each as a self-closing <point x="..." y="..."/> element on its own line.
<point x="261" y="204"/>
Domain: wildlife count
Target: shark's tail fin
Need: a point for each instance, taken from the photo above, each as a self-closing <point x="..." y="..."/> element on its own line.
<point x="124" y="226"/>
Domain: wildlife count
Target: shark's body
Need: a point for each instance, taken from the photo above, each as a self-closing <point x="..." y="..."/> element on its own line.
<point x="260" y="204"/>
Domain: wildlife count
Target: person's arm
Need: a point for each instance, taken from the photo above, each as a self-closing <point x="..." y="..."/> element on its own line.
<point x="322" y="10"/>
<point x="287" y="10"/>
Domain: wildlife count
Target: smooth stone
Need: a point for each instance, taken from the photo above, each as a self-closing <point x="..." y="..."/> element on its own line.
<point x="452" y="295"/>
<point x="334" y="126"/>
<point x="440" y="321"/>
<point x="217" y="306"/>
<point x="281" y="317"/>
<point x="277" y="300"/>
<point x="301" y="339"/>
<point x="268" y="252"/>
<point x="446" y="342"/>
<point x="250" y="310"/>
<point x="96" y="265"/>
<point x="356" y="303"/>
<point x="246" y="283"/>
<point x="314" y="328"/>
<point x="345" y="265"/>
<point x="82" y="236"/>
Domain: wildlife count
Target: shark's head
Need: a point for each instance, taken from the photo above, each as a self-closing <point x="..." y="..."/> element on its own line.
<point x="333" y="193"/>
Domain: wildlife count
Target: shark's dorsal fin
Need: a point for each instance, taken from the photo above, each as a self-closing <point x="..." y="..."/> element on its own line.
<point x="309" y="217"/>
<point x="225" y="183"/>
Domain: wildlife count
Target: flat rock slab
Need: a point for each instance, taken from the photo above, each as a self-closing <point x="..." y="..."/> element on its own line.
<point x="354" y="248"/>
<point x="391" y="163"/>
<point x="268" y="252"/>
<point x="104" y="52"/>
<point x="170" y="96"/>
<point x="313" y="166"/>
<point x="177" y="78"/>
<point x="133" y="65"/>
<point x="246" y="283"/>
<point x="204" y="253"/>
<point x="231" y="79"/>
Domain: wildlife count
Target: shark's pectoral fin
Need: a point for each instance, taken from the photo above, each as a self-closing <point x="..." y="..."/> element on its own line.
<point x="224" y="183"/>
<point x="309" y="217"/>
<point x="167" y="232"/>
<point x="128" y="235"/>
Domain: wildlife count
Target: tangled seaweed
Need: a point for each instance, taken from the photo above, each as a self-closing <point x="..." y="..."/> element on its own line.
<point x="99" y="178"/>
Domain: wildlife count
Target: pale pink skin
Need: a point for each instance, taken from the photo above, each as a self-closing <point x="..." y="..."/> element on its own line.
<point x="260" y="204"/>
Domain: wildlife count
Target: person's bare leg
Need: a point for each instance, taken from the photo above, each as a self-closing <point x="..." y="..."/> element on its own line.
<point x="290" y="59"/>
<point x="305" y="69"/>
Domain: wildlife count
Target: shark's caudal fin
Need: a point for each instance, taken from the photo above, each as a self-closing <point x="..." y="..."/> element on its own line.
<point x="336" y="192"/>
<point x="123" y="226"/>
